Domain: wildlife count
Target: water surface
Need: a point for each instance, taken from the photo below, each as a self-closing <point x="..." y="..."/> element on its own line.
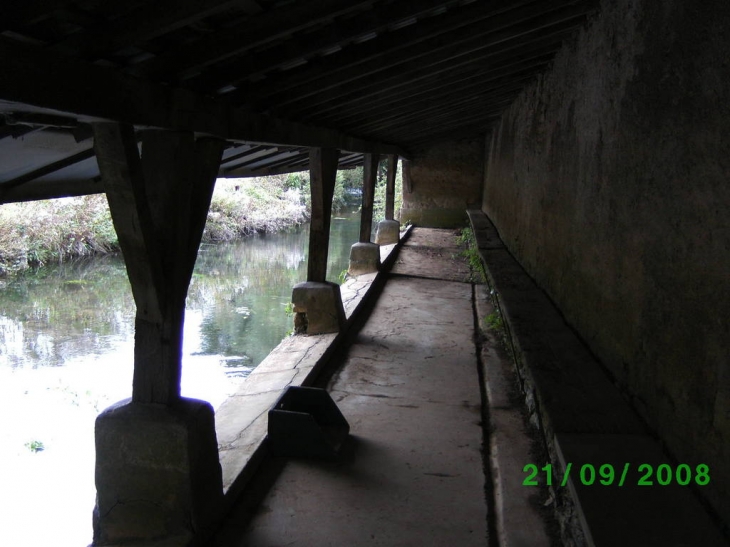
<point x="66" y="353"/>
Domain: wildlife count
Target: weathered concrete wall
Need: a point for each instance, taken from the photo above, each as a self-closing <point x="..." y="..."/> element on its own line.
<point x="446" y="179"/>
<point x="609" y="179"/>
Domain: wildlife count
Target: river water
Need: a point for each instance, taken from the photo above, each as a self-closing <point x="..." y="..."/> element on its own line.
<point x="66" y="353"/>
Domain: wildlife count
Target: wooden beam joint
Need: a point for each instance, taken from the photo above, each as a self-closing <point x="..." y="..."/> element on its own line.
<point x="159" y="201"/>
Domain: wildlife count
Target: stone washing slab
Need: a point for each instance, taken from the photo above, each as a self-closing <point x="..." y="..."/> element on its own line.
<point x="572" y="388"/>
<point x="519" y="511"/>
<point x="433" y="253"/>
<point x="586" y="420"/>
<point x="242" y="420"/>
<point x="484" y="231"/>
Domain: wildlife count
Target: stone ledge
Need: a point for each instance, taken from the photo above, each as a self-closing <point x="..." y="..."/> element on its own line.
<point x="583" y="416"/>
<point x="242" y="419"/>
<point x="519" y="511"/>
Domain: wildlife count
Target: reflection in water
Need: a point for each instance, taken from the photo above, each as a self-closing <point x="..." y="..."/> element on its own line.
<point x="236" y="302"/>
<point x="66" y="353"/>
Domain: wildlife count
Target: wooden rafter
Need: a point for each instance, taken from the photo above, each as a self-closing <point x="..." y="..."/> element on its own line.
<point x="336" y="34"/>
<point x="504" y="31"/>
<point x="426" y="88"/>
<point x="367" y="58"/>
<point x="451" y="74"/>
<point x="153" y="19"/>
<point x="97" y="93"/>
<point x="266" y="28"/>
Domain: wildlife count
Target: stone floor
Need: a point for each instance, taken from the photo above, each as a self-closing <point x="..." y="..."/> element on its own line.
<point x="417" y="469"/>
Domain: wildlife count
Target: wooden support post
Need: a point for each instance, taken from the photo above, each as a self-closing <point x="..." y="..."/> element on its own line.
<point x="407" y="182"/>
<point x="390" y="187"/>
<point x="389" y="229"/>
<point x="159" y="203"/>
<point x="370" y="171"/>
<point x="317" y="303"/>
<point x="322" y="175"/>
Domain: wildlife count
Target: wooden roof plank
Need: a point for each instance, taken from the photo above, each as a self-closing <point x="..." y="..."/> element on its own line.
<point x="434" y="105"/>
<point x="48" y="81"/>
<point x="265" y="28"/>
<point x="156" y="18"/>
<point x="33" y="191"/>
<point x="452" y="50"/>
<point x="422" y="93"/>
<point x="377" y="20"/>
<point x="414" y="86"/>
<point x="397" y="48"/>
<point x="18" y="14"/>
<point x="478" y="105"/>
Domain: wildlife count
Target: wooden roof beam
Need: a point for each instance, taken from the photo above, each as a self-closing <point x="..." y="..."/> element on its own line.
<point x="56" y="85"/>
<point x="401" y="46"/>
<point x="473" y="107"/>
<point x="247" y="157"/>
<point x="459" y="48"/>
<point x="265" y="28"/>
<point x="423" y="95"/>
<point x="427" y="108"/>
<point x="268" y="171"/>
<point x="416" y="81"/>
<point x="154" y="19"/>
<point x="18" y="14"/>
<point x="472" y="131"/>
<point x="278" y="161"/>
<point x="424" y="87"/>
<point x="37" y="190"/>
<point x="453" y="124"/>
<point x="339" y="33"/>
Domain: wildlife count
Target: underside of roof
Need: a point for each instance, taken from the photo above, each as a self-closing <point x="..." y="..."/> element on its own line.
<point x="271" y="77"/>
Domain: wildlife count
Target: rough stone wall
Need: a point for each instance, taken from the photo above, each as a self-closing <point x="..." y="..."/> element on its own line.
<point x="446" y="179"/>
<point x="609" y="180"/>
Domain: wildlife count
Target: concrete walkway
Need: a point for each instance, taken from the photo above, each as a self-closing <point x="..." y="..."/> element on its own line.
<point x="414" y="470"/>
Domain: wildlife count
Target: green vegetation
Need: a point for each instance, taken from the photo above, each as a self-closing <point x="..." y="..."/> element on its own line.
<point x="466" y="238"/>
<point x="380" y="187"/>
<point x="37" y="233"/>
<point x="35" y="446"/>
<point x="243" y="207"/>
<point x="54" y="231"/>
<point x="494" y="321"/>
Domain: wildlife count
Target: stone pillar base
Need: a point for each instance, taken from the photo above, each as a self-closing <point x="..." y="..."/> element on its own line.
<point x="388" y="232"/>
<point x="318" y="307"/>
<point x="364" y="258"/>
<point x="157" y="474"/>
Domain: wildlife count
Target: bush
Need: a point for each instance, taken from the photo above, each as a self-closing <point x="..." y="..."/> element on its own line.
<point x="242" y="207"/>
<point x="35" y="233"/>
<point x="39" y="232"/>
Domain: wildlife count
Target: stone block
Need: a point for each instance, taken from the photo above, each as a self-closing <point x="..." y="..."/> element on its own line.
<point x="158" y="476"/>
<point x="318" y="307"/>
<point x="388" y="232"/>
<point x="364" y="258"/>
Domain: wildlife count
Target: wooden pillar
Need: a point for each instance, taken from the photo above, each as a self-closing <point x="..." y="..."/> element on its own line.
<point x="390" y="187"/>
<point x="322" y="175"/>
<point x="370" y="172"/>
<point x="318" y="304"/>
<point x="159" y="203"/>
<point x="407" y="182"/>
<point x="389" y="229"/>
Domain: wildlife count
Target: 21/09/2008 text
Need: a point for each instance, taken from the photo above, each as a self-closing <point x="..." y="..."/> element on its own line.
<point x="606" y="474"/>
